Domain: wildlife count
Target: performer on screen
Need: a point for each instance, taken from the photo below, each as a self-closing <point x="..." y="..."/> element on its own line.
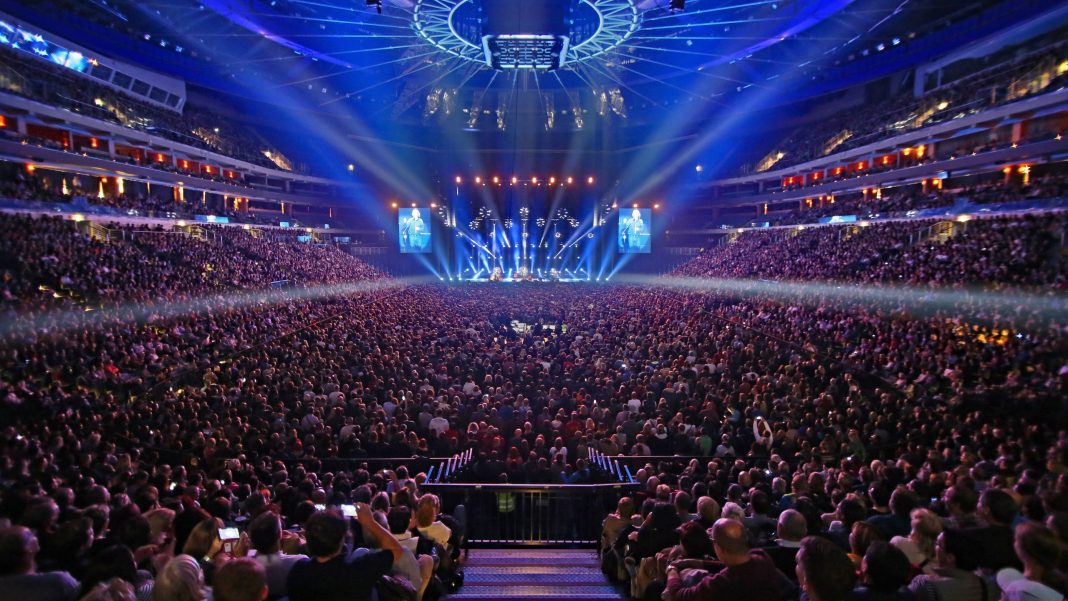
<point x="631" y="235"/>
<point x="412" y="234"/>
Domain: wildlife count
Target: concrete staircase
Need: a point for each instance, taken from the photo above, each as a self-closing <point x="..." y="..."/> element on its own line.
<point x="530" y="574"/>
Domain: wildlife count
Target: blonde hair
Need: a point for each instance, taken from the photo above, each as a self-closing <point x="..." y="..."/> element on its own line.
<point x="202" y="537"/>
<point x="927" y="526"/>
<point x="160" y="521"/>
<point x="180" y="580"/>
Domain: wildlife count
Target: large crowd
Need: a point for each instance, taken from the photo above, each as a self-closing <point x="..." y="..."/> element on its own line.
<point x="151" y="404"/>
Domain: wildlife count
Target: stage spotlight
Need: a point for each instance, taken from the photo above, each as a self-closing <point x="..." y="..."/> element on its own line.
<point x="514" y="180"/>
<point x="635" y="206"/>
<point x="496" y="179"/>
<point x="570" y="179"/>
<point x="393" y="204"/>
<point x="699" y="168"/>
<point x="589" y="180"/>
<point x="478" y="180"/>
<point x="434" y="205"/>
<point x="552" y="180"/>
<point x="459" y="180"/>
<point x="535" y="180"/>
<point x="656" y="205"/>
<point x="352" y="167"/>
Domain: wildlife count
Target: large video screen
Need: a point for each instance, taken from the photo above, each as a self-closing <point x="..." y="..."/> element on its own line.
<point x="413" y="230"/>
<point x="635" y="229"/>
<point x="20" y="39"/>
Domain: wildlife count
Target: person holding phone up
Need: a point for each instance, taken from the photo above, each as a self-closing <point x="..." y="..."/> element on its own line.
<point x="332" y="572"/>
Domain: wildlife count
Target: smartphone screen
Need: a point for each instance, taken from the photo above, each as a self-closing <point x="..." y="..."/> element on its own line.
<point x="319" y="507"/>
<point x="348" y="511"/>
<point x="229" y="534"/>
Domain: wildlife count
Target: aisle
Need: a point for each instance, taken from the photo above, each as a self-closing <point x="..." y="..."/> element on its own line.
<point x="534" y="574"/>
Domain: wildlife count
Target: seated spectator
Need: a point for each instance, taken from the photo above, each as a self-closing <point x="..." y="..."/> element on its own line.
<point x="961" y="503"/>
<point x="884" y="574"/>
<point x="897" y="522"/>
<point x="997" y="509"/>
<point x="953" y="576"/>
<point x="739" y="573"/>
<point x="708" y="511"/>
<point x="1040" y="579"/>
<point x="181" y="580"/>
<point x="862" y="536"/>
<point x="824" y="572"/>
<point x="240" y="579"/>
<point x="429" y="523"/>
<point x="19" y="578"/>
<point x="658" y="531"/>
<point x="331" y="573"/>
<point x="919" y="546"/>
<point x="790" y="531"/>
<point x="266" y="537"/>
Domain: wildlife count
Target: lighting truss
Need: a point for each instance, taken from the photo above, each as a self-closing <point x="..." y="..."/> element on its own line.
<point x="442" y="24"/>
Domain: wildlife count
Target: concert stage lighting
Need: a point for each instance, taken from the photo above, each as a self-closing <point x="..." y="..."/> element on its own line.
<point x="589" y="180"/>
<point x="570" y="179"/>
<point x="478" y="180"/>
<point x="459" y="180"/>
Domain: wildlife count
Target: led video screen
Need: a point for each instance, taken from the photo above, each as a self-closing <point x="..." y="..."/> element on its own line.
<point x="413" y="230"/>
<point x="635" y="227"/>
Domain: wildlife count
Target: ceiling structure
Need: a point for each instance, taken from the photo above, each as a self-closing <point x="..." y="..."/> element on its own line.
<point x="488" y="65"/>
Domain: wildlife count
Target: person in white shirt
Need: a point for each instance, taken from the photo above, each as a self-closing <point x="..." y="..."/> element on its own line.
<point x="439" y="424"/>
<point x="427" y="522"/>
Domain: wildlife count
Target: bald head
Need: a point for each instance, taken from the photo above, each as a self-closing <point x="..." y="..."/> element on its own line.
<point x="729" y="536"/>
<point x="792" y="525"/>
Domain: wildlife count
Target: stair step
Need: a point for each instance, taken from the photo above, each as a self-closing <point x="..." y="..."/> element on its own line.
<point x="587" y="562"/>
<point x="533" y="576"/>
<point x="534" y="592"/>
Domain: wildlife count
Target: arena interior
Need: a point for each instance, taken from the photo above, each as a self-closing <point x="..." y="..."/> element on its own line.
<point x="406" y="300"/>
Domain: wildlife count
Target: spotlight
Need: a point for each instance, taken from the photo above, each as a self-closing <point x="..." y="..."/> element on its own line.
<point x="352" y="167"/>
<point x="496" y="179"/>
<point x="535" y="180"/>
<point x="393" y="204"/>
<point x="459" y="180"/>
<point x="514" y="180"/>
<point x="699" y="168"/>
<point x="478" y="180"/>
<point x="552" y="180"/>
<point x="570" y="179"/>
<point x="589" y="180"/>
<point x="656" y="206"/>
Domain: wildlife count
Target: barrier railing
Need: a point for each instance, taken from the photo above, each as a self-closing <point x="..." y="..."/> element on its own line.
<point x="532" y="515"/>
<point x="450" y="467"/>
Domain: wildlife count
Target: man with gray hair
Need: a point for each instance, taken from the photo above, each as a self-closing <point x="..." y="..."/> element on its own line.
<point x="740" y="573"/>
